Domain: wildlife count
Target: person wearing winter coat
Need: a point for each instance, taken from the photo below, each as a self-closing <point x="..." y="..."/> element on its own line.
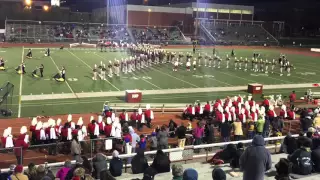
<point x="236" y="157"/>
<point x="161" y="162"/>
<point x="283" y="169"/>
<point x="162" y="137"/>
<point x="75" y="148"/>
<point x="99" y="164"/>
<point x="20" y="148"/>
<point x="116" y="164"/>
<point x="18" y="174"/>
<point x="289" y="144"/>
<point x="139" y="162"/>
<point x="31" y="172"/>
<point x="255" y="160"/>
<point x="315" y="157"/>
<point x="62" y="173"/>
<point x="301" y="159"/>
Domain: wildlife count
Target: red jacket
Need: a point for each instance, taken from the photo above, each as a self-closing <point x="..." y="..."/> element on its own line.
<point x="271" y="113"/>
<point x="282" y="113"/>
<point x="32" y="128"/>
<point x="107" y="129"/>
<point x="64" y="132"/>
<point x="292" y="97"/>
<point x="266" y="102"/>
<point x="197" y="109"/>
<point x="122" y="117"/>
<point x="251" y="103"/>
<point x="133" y="117"/>
<point x="207" y="107"/>
<point x="291" y="115"/>
<point x="235" y="104"/>
<point x="242" y="118"/>
<point x="147" y="113"/>
<point x="91" y="128"/>
<point x="37" y="134"/>
<point x="215" y="106"/>
<point x="189" y="110"/>
<point x="139" y="117"/>
<point x="219" y="116"/>
<point x="100" y="126"/>
<point x="108" y="114"/>
<point x="18" y="144"/>
<point x="74" y="132"/>
<point x="3" y="141"/>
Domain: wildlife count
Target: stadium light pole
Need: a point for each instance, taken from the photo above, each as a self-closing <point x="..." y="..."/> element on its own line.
<point x="149" y="13"/>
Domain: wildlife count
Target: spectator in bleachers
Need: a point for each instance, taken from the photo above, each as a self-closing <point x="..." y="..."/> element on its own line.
<point x="306" y="123"/>
<point x="218" y="174"/>
<point x="99" y="164"/>
<point x="315" y="157"/>
<point x="301" y="159"/>
<point x="153" y="141"/>
<point x="6" y="175"/>
<point x="289" y="144"/>
<point x="225" y="131"/>
<point x="71" y="171"/>
<point x="283" y="169"/>
<point x="260" y="125"/>
<point x="31" y="172"/>
<point x="75" y="148"/>
<point x="86" y="164"/>
<point x="43" y="173"/>
<point x="255" y="160"/>
<point x="181" y="134"/>
<point x="198" y="133"/>
<point x="225" y="155"/>
<point x="80" y="174"/>
<point x="190" y="174"/>
<point x="266" y="127"/>
<point x="162" y="136"/>
<point x="161" y="162"/>
<point x="234" y="163"/>
<point x="237" y="129"/>
<point x="105" y="174"/>
<point x="172" y="128"/>
<point x="143" y="142"/>
<point x="139" y="162"/>
<point x="62" y="173"/>
<point x="116" y="164"/>
<point x="18" y="174"/>
<point x="316" y="122"/>
<point x="134" y="139"/>
<point x="250" y="128"/>
<point x="209" y="133"/>
<point x="177" y="172"/>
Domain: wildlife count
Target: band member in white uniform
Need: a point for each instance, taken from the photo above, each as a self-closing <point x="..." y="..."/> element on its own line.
<point x="245" y="64"/>
<point x="273" y="64"/>
<point x="117" y="67"/>
<point x="199" y="60"/>
<point x="110" y="73"/>
<point x="103" y="72"/>
<point x="95" y="73"/>
<point x="188" y="64"/>
<point x="288" y="66"/>
<point x="219" y="62"/>
<point x="194" y="64"/>
<point x="281" y="67"/>
<point x="240" y="62"/>
<point x="175" y="66"/>
<point x="228" y="60"/>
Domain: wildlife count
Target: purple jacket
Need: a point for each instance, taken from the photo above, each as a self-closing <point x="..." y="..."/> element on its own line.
<point x="198" y="132"/>
<point x="62" y="173"/>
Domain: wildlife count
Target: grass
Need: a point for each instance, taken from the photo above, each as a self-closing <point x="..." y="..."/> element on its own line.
<point x="79" y="64"/>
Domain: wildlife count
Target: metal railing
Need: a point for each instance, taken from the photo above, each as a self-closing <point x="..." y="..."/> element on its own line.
<point x="176" y="154"/>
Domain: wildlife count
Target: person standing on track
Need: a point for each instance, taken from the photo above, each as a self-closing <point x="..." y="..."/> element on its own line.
<point x="292" y="98"/>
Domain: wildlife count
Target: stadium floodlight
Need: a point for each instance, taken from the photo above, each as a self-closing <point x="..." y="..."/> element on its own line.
<point x="28" y="2"/>
<point x="45" y="8"/>
<point x="149" y="10"/>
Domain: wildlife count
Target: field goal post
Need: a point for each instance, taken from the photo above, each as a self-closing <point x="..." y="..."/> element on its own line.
<point x="6" y="94"/>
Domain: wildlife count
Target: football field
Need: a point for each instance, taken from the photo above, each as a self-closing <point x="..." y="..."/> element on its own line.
<point x="159" y="84"/>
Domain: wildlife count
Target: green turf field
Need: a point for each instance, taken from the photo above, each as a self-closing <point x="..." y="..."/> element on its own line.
<point x="79" y="64"/>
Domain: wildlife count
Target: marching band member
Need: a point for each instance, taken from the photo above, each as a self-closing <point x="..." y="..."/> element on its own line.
<point x="233" y="113"/>
<point x="215" y="59"/>
<point x="123" y="117"/>
<point x="267" y="63"/>
<point x="95" y="73"/>
<point x="271" y="113"/>
<point x="101" y="124"/>
<point x="253" y="114"/>
<point x="29" y="54"/>
<point x="273" y="64"/>
<point x="58" y="127"/>
<point x="32" y="129"/>
<point x="21" y="68"/>
<point x="199" y="59"/>
<point x="93" y="128"/>
<point x="148" y="115"/>
<point x="110" y="69"/>
<point x="2" y="68"/>
<point x="261" y="65"/>
<point x="281" y="67"/>
<point x="194" y="64"/>
<point x="63" y="73"/>
<point x="240" y="63"/>
<point x="80" y="123"/>
<point x="291" y="114"/>
<point x="210" y="60"/>
<point x="283" y="112"/>
<point x="47" y="52"/>
<point x="103" y="72"/>
<point x="219" y="62"/>
<point x="242" y="116"/>
<point x="227" y="114"/>
<point x="236" y="63"/>
<point x="288" y="66"/>
<point x="108" y="127"/>
<point x="116" y="129"/>
<point x="256" y="62"/>
<point x="7" y="140"/>
<point x="53" y="136"/>
<point x="175" y="66"/>
<point x="227" y="60"/>
<point x="188" y="64"/>
<point x="117" y="68"/>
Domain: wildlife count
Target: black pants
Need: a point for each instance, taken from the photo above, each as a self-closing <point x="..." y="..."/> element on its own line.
<point x="148" y="122"/>
<point x="63" y="76"/>
<point x="52" y="148"/>
<point x="41" y="73"/>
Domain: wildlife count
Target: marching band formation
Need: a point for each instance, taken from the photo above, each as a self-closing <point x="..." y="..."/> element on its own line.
<point x="145" y="55"/>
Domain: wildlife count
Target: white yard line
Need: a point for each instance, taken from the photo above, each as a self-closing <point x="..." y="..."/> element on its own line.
<point x="175" y="78"/>
<point x="65" y="80"/>
<point x="147" y="80"/>
<point x="162" y="91"/>
<point x="91" y="68"/>
<point x="236" y="76"/>
<point x="20" y="87"/>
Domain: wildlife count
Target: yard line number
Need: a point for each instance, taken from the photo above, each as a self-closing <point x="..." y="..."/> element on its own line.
<point x="142" y="77"/>
<point x="306" y="73"/>
<point x="204" y="76"/>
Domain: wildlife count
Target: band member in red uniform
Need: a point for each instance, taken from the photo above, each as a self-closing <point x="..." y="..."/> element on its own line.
<point x="190" y="112"/>
<point x="266" y="104"/>
<point x="32" y="129"/>
<point x="20" y="147"/>
<point x="242" y="116"/>
<point x="108" y="127"/>
<point x="207" y="110"/>
<point x="271" y="113"/>
<point x="292" y="98"/>
<point x="123" y="117"/>
<point x="52" y="137"/>
<point x="291" y="114"/>
<point x="93" y="129"/>
<point x="101" y="124"/>
<point x="283" y="112"/>
<point x="148" y="115"/>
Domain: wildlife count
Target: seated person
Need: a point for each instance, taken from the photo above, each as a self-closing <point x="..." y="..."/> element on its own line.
<point x="283" y="169"/>
<point x="301" y="159"/>
<point x="172" y="128"/>
<point x="224" y="156"/>
<point x="315" y="157"/>
<point x="289" y="144"/>
<point x="58" y="78"/>
<point x="236" y="157"/>
<point x="34" y="73"/>
<point x="188" y="112"/>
